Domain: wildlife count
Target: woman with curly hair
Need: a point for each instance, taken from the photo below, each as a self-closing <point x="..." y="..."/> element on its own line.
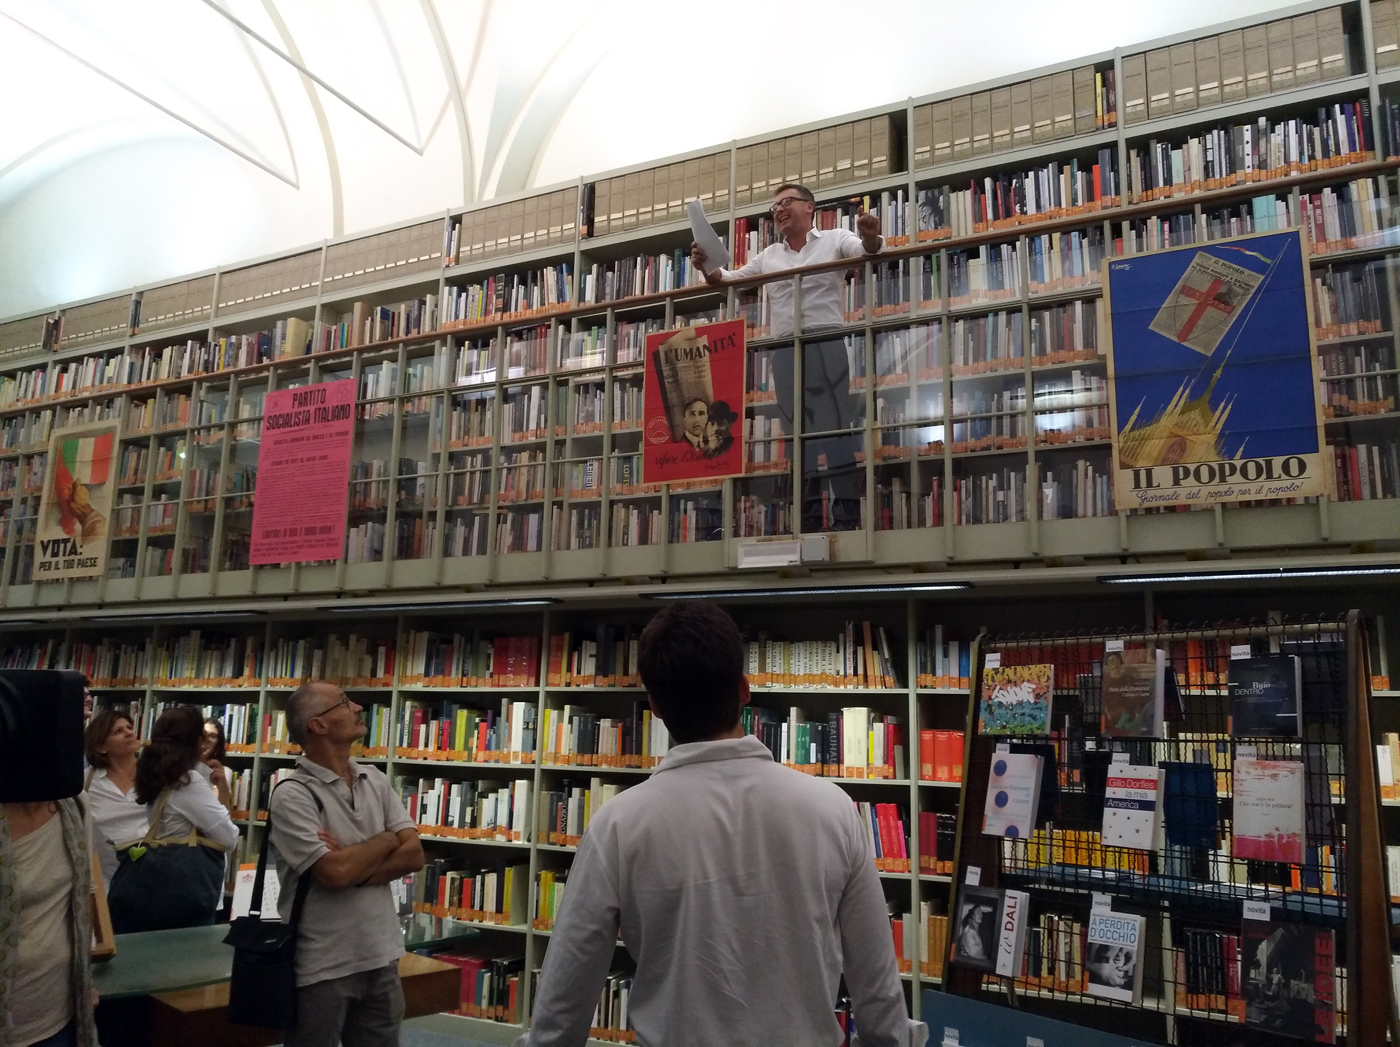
<point x="174" y="875"/>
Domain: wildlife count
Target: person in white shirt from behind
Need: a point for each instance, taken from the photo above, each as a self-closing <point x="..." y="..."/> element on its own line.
<point x="110" y="744"/>
<point x="743" y="889"/>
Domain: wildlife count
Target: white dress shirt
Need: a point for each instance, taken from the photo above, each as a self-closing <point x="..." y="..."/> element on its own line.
<point x="195" y="805"/>
<point x="116" y="818"/>
<point x="743" y="889"/>
<point x="822" y="293"/>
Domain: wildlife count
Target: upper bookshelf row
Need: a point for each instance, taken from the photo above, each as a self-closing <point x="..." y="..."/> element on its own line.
<point x="1048" y="117"/>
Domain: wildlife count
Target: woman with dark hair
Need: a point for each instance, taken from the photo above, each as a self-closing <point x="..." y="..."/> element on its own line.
<point x="174" y="875"/>
<point x="212" y="751"/>
<point x="111" y="744"/>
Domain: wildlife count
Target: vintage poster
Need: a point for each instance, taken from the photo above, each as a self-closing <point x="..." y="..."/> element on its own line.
<point x="693" y="403"/>
<point x="1213" y="375"/>
<point x="76" y="509"/>
<point x="303" y="474"/>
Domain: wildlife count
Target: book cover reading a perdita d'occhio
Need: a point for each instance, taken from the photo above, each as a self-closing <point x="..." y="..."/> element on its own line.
<point x="693" y="403"/>
<point x="1016" y="699"/>
<point x="1113" y="956"/>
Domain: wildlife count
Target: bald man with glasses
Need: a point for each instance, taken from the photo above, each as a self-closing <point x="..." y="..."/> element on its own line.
<point x="340" y="822"/>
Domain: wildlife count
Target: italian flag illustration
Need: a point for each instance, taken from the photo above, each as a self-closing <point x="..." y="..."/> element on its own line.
<point x="86" y="460"/>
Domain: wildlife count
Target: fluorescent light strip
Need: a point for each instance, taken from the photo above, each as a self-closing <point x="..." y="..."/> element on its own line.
<point x="182" y="616"/>
<point x="455" y="605"/>
<point x="1268" y="574"/>
<point x="746" y="594"/>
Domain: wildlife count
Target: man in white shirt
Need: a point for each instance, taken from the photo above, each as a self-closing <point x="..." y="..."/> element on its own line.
<point x="743" y="889"/>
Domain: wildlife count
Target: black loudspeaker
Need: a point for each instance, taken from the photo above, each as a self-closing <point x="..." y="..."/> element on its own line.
<point x="41" y="735"/>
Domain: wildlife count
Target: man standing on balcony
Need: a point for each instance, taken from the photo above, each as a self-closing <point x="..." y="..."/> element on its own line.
<point x="827" y="406"/>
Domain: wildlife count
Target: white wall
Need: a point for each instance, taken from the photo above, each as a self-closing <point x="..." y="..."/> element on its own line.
<point x="146" y="139"/>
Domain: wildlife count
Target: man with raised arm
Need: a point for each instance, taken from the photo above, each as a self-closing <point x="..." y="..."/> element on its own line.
<point x="743" y="889"/>
<point x="353" y="843"/>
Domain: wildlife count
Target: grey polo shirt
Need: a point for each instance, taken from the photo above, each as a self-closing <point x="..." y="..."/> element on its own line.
<point x="341" y="932"/>
<point x="744" y="890"/>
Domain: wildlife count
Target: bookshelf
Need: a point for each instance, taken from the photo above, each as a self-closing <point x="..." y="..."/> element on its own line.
<point x="497" y="354"/>
<point x="979" y="440"/>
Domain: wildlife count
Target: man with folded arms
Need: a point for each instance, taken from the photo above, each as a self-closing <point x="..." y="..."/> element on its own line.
<point x="743" y="889"/>
<point x="353" y="846"/>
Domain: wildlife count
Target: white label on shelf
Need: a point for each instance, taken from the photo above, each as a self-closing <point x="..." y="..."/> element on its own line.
<point x="1102" y="903"/>
<point x="1034" y="1041"/>
<point x="1240" y="650"/>
<point x="950" y="1036"/>
<point x="974" y="876"/>
<point x="1246" y="752"/>
<point x="1112" y="646"/>
<point x="1003" y="747"/>
<point x="993" y="660"/>
<point x="1257" y="910"/>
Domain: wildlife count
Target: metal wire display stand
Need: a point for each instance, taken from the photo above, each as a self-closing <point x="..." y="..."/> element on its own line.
<point x="1192" y="896"/>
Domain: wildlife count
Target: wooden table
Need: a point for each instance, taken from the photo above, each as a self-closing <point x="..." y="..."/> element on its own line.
<point x="197" y="1016"/>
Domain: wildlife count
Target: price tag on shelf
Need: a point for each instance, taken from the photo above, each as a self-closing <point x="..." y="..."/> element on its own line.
<point x="993" y="660"/>
<point x="1034" y="1041"/>
<point x="1102" y="903"/>
<point x="1240" y="650"/>
<point x="1257" y="910"/>
<point x="1003" y="747"/>
<point x="950" y="1036"/>
<point x="1113" y="647"/>
<point x="974" y="876"/>
<point x="1246" y="752"/>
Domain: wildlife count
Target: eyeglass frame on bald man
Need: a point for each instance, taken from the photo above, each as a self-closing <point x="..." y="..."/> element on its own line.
<point x="344" y="700"/>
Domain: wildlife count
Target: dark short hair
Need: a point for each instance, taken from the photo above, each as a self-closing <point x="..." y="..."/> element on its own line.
<point x="103" y="722"/>
<point x="691" y="660"/>
<point x="801" y="191"/>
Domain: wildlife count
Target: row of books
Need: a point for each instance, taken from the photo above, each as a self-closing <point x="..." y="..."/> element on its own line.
<point x="1252" y="62"/>
<point x="430" y="729"/>
<point x="364" y="542"/>
<point x="470" y="810"/>
<point x="853" y="742"/>
<point x="1062" y="105"/>
<point x="472" y="659"/>
<point x="1366" y="471"/>
<point x="655" y="196"/>
<point x="860" y="656"/>
<point x="567" y="809"/>
<point x="637" y="275"/>
<point x="1348" y="301"/>
<point x="1076" y="490"/>
<point x="993" y="496"/>
<point x="490" y="985"/>
<point x="365" y="324"/>
<point x="575" y="737"/>
<point x="508" y="296"/>
<point x="1059" y="189"/>
<point x="1358" y="397"/>
<point x="832" y="156"/>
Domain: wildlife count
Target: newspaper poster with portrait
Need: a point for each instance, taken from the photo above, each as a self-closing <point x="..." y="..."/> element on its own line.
<point x="75" y="511"/>
<point x="1212" y="370"/>
<point x="693" y="403"/>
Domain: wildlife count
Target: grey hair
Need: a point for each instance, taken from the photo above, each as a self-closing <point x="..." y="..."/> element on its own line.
<point x="299" y="706"/>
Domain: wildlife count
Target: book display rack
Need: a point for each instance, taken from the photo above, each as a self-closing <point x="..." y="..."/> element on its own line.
<point x="498" y="350"/>
<point x="1217" y="868"/>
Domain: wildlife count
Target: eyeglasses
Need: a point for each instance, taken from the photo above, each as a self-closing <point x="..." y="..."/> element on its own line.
<point x="787" y="201"/>
<point x="345" y="701"/>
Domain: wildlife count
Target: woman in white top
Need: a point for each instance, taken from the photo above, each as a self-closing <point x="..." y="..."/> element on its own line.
<point x="181" y="888"/>
<point x="111" y="745"/>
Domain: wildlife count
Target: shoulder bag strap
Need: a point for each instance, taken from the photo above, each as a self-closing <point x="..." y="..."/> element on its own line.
<point x="303" y="882"/>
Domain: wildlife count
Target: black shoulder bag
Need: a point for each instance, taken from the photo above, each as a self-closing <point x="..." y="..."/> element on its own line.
<point x="263" y="988"/>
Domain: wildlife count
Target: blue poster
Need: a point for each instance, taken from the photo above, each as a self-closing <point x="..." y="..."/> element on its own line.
<point x="1212" y="374"/>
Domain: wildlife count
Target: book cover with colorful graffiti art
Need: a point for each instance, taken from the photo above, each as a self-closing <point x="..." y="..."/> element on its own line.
<point x="1016" y="699"/>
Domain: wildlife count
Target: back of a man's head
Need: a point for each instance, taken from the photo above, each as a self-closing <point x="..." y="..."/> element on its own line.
<point x="691" y="660"/>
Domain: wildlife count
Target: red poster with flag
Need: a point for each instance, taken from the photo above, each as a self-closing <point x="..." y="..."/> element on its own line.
<point x="76" y="508"/>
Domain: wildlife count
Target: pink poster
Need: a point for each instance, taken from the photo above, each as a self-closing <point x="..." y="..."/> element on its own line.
<point x="303" y="474"/>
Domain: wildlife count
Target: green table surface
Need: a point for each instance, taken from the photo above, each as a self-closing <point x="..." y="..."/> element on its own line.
<point x="163" y="961"/>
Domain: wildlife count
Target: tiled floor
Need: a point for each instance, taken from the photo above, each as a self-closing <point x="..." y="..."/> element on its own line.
<point x="424" y="1038"/>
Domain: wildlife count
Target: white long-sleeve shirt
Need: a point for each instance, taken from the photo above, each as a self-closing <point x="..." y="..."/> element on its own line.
<point x="743" y="890"/>
<point x="195" y="805"/>
<point x="822" y="293"/>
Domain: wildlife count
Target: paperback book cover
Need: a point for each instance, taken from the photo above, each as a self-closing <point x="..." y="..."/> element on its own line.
<point x="1289" y="979"/>
<point x="1266" y="697"/>
<point x="1011" y="932"/>
<point x="1013" y="790"/>
<point x="977" y="933"/>
<point x="1114" y="959"/>
<point x="1190" y="808"/>
<point x="1269" y="810"/>
<point x="1132" y="811"/>
<point x="1133" y="682"/>
<point x="1016" y="699"/>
